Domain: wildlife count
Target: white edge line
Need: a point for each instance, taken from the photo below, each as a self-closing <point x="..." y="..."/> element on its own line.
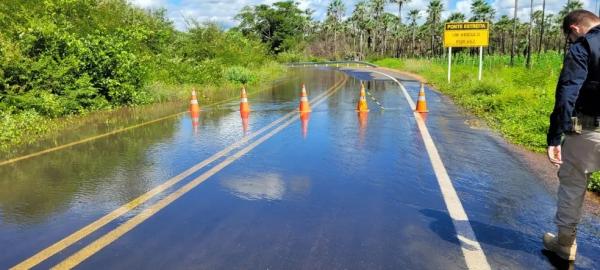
<point x="474" y="256"/>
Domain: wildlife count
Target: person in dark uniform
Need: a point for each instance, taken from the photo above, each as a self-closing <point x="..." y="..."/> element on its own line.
<point x="574" y="133"/>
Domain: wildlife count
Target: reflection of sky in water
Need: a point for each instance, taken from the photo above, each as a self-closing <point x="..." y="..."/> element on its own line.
<point x="268" y="186"/>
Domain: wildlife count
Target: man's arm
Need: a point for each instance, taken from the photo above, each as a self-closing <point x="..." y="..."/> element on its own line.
<point x="572" y="77"/>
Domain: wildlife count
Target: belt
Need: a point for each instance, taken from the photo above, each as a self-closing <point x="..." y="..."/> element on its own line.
<point x="589" y="122"/>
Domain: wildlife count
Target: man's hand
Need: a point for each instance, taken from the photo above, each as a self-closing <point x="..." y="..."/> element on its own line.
<point x="555" y="155"/>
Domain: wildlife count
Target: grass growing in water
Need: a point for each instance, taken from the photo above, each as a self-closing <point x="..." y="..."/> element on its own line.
<point x="27" y="127"/>
<point x="513" y="100"/>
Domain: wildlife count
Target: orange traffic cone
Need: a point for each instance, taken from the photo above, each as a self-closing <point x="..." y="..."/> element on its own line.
<point x="194" y="107"/>
<point x="304" y="105"/>
<point x="244" y="106"/>
<point x="362" y="101"/>
<point x="421" y="102"/>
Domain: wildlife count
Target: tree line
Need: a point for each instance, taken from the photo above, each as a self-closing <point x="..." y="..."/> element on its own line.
<point x="367" y="30"/>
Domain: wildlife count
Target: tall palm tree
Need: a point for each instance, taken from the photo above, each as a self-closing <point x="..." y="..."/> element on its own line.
<point x="540" y="48"/>
<point x="502" y="26"/>
<point x="389" y="27"/>
<point x="456" y="17"/>
<point x="413" y="16"/>
<point x="514" y="33"/>
<point x="530" y="29"/>
<point x="335" y="13"/>
<point x="360" y="16"/>
<point x="400" y="3"/>
<point x="570" y="6"/>
<point x="482" y="11"/>
<point x="377" y="9"/>
<point x="434" y="12"/>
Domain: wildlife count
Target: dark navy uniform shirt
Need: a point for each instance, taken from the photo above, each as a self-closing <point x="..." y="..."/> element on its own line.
<point x="578" y="88"/>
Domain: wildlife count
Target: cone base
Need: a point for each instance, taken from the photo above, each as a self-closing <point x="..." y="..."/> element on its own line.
<point x="195" y="109"/>
<point x="244" y="108"/>
<point x="421" y="107"/>
<point x="304" y="108"/>
<point x="362" y="107"/>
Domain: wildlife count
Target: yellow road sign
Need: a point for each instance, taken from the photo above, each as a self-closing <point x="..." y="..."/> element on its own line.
<point x="466" y="34"/>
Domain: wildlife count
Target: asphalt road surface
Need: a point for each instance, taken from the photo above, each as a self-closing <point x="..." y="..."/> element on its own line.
<point x="333" y="189"/>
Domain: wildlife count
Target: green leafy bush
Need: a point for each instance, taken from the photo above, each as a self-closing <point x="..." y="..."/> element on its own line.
<point x="240" y="75"/>
<point x="594" y="184"/>
<point x="59" y="58"/>
<point x="15" y="125"/>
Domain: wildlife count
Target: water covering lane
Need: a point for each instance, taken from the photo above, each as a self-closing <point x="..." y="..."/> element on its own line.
<point x="335" y="190"/>
<point x="338" y="192"/>
<point x="48" y="197"/>
<point x="508" y="205"/>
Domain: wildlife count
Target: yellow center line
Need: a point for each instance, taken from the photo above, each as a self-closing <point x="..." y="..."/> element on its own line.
<point x="60" y="147"/>
<point x="13" y="160"/>
<point x="99" y="223"/>
<point x="116" y="233"/>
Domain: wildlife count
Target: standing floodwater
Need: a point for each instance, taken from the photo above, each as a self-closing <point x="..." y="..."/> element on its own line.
<point x="329" y="189"/>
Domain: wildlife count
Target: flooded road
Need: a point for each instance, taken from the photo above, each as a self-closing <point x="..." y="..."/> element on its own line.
<point x="332" y="189"/>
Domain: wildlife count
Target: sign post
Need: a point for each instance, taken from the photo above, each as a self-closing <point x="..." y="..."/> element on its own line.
<point x="466" y="34"/>
<point x="480" y="61"/>
<point x="449" y="62"/>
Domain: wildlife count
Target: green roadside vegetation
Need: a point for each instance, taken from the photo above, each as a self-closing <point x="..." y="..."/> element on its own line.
<point x="516" y="101"/>
<point x="60" y="59"/>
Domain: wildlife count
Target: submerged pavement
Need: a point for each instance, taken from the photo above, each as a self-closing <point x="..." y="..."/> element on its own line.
<point x="330" y="190"/>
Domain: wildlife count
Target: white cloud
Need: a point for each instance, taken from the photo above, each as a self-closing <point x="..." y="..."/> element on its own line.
<point x="464" y="7"/>
<point x="149" y="3"/>
<point x="506" y="7"/>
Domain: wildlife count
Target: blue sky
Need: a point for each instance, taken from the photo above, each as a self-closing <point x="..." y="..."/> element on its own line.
<point x="223" y="12"/>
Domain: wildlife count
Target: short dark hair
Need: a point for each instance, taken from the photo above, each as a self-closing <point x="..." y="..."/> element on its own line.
<point x="577" y="17"/>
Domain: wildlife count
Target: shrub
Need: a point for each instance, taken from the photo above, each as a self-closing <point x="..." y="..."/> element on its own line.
<point x="485" y="88"/>
<point x="594" y="184"/>
<point x="240" y="75"/>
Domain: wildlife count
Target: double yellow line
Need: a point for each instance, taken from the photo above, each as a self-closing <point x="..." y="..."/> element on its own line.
<point x="113" y="235"/>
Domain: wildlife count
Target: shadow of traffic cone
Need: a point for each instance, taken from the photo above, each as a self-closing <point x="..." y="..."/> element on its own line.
<point x="245" y="118"/>
<point x="362" y="101"/>
<point x="194" y="107"/>
<point x="244" y="106"/>
<point x="304" y="118"/>
<point x="304" y="105"/>
<point x="421" y="102"/>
